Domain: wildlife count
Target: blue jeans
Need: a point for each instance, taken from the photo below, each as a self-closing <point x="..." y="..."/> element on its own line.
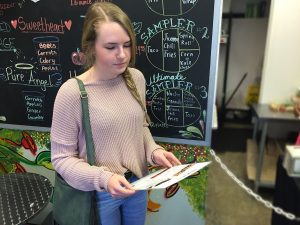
<point x="122" y="211"/>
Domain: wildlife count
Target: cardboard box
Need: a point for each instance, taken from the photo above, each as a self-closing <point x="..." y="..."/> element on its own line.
<point x="291" y="160"/>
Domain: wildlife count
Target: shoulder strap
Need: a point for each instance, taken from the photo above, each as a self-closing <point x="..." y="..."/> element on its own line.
<point x="86" y="123"/>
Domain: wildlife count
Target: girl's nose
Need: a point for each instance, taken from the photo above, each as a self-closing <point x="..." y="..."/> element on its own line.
<point x="121" y="53"/>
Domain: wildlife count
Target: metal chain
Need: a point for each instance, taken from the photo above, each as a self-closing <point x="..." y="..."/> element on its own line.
<point x="268" y="204"/>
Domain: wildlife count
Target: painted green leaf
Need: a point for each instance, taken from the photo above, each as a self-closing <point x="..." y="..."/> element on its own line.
<point x="196" y="189"/>
<point x="44" y="159"/>
<point x="2" y="155"/>
<point x="6" y="166"/>
<point x="14" y="156"/>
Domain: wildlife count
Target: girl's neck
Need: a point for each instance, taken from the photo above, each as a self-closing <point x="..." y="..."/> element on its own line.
<point x="98" y="75"/>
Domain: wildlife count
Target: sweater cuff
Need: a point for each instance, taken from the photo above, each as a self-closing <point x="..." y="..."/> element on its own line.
<point x="102" y="179"/>
<point x="150" y="154"/>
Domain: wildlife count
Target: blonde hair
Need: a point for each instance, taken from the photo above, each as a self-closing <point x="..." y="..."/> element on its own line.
<point x="108" y="12"/>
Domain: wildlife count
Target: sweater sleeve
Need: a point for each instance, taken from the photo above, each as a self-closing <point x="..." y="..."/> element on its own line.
<point x="68" y="151"/>
<point x="149" y="143"/>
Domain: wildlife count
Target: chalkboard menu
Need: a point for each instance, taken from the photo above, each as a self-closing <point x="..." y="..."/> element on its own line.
<point x="37" y="41"/>
<point x="177" y="49"/>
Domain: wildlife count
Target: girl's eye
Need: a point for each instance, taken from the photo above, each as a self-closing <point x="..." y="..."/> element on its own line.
<point x="128" y="45"/>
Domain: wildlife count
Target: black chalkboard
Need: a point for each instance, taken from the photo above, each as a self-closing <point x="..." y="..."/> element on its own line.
<point x="36" y="44"/>
<point x="177" y="52"/>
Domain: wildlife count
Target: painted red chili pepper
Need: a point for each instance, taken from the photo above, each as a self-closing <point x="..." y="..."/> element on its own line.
<point x="27" y="142"/>
<point x="20" y="168"/>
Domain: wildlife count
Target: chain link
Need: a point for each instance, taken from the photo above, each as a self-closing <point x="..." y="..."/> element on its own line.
<point x="268" y="204"/>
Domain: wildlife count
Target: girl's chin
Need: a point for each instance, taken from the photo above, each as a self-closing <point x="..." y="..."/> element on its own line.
<point x="120" y="68"/>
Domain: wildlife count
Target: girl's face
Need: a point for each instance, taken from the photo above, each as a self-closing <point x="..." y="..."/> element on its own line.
<point x="112" y="50"/>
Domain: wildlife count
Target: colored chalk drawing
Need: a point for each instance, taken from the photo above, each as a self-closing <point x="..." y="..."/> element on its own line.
<point x="34" y="104"/>
<point x="171" y="7"/>
<point x="85" y="2"/>
<point x="179" y="107"/>
<point x="20" y="3"/>
<point x="78" y="57"/>
<point x="24" y="74"/>
<point x="173" y="105"/>
<point x="7" y="42"/>
<point x="179" y="50"/>
<point x="137" y="26"/>
<point x="41" y="25"/>
<point x="4" y="27"/>
<point x="47" y="51"/>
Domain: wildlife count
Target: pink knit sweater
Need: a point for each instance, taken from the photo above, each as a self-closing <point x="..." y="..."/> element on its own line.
<point x="122" y="139"/>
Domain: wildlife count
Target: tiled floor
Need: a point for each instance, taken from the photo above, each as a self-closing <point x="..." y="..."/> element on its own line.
<point x="227" y="203"/>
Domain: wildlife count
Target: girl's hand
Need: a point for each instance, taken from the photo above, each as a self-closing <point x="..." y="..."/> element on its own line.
<point x="164" y="158"/>
<point x="119" y="187"/>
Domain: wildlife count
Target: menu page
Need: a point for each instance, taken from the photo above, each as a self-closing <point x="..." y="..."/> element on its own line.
<point x="164" y="178"/>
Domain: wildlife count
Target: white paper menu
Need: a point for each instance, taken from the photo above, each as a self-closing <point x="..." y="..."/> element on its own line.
<point x="166" y="177"/>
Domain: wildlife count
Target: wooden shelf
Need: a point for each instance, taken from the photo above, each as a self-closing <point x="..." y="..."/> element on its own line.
<point x="271" y="154"/>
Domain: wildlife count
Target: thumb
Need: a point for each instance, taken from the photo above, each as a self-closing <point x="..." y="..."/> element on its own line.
<point x="126" y="184"/>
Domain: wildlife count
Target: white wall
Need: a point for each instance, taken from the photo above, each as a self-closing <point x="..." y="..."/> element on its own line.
<point x="251" y="62"/>
<point x="239" y="6"/>
<point x="281" y="70"/>
<point x="248" y="38"/>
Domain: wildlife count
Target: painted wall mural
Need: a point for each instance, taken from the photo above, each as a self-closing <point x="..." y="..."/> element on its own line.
<point x="21" y="148"/>
<point x="194" y="188"/>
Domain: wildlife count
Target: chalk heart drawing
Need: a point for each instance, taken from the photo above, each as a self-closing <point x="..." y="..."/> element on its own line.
<point x="68" y="24"/>
<point x="14" y="23"/>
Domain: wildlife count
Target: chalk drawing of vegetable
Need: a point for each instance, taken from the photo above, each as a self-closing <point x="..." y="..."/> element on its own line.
<point x="137" y="26"/>
<point x="191" y="132"/>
